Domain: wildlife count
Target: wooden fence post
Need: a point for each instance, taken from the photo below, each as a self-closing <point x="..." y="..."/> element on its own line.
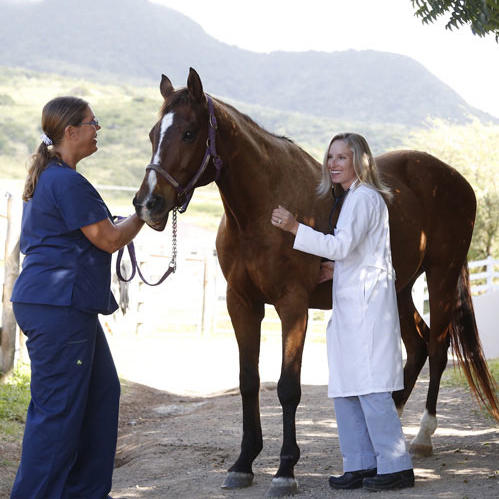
<point x="9" y="327"/>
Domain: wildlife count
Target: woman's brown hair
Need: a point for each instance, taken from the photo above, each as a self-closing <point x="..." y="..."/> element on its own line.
<point x="57" y="114"/>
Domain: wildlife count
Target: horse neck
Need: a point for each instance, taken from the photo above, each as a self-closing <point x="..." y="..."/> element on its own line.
<point x="256" y="172"/>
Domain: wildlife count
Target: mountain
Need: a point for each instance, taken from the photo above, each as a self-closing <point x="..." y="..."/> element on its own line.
<point x="134" y="41"/>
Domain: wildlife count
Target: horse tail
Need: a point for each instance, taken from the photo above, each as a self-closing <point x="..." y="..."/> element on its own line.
<point x="467" y="348"/>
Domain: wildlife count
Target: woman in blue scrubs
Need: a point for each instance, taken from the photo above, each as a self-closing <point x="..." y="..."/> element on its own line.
<point x="67" y="237"/>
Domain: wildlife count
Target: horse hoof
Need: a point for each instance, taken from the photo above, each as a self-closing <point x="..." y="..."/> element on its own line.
<point x="420" y="450"/>
<point x="282" y="487"/>
<point x="237" y="480"/>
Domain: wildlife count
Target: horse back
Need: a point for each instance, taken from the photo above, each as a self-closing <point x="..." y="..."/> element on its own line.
<point x="433" y="209"/>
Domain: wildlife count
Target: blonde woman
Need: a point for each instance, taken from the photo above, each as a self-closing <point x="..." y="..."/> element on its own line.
<point x="363" y="336"/>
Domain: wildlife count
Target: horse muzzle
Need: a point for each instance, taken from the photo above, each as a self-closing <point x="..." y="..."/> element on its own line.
<point x="153" y="211"/>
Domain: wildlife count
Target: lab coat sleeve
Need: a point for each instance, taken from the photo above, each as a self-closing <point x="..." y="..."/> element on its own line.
<point x="356" y="223"/>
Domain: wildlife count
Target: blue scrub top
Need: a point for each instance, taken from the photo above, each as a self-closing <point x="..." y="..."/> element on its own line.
<point x="62" y="267"/>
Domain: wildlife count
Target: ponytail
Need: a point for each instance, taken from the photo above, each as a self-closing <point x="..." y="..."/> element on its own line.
<point x="39" y="162"/>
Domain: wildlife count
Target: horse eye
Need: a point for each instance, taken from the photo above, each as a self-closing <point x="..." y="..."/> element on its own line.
<point x="188" y="136"/>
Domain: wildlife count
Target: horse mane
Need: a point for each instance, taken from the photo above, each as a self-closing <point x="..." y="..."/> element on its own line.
<point x="181" y="96"/>
<point x="252" y="122"/>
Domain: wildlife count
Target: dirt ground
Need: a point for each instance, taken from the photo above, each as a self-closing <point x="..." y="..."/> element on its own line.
<point x="176" y="446"/>
<point x="179" y="442"/>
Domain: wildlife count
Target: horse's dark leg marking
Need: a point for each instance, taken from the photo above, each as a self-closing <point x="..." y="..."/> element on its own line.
<point x="246" y="319"/>
<point x="415" y="334"/>
<point x="293" y="311"/>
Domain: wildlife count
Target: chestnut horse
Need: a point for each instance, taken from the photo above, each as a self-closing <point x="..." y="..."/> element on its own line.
<point x="431" y="222"/>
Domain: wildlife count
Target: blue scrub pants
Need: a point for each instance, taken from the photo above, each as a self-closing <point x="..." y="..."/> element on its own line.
<point x="370" y="434"/>
<point x="72" y="422"/>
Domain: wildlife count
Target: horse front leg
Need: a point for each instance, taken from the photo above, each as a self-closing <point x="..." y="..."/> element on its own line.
<point x="294" y="315"/>
<point x="246" y="319"/>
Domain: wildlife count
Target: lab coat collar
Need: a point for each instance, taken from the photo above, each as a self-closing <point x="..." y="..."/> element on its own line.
<point x="353" y="186"/>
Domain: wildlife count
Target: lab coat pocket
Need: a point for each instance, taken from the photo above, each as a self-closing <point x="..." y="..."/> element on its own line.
<point x="374" y="277"/>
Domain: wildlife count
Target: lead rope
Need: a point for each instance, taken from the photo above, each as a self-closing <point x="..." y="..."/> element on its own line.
<point x="172" y="266"/>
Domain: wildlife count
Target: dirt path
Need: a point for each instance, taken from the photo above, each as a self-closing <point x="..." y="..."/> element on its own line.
<point x="177" y="441"/>
<point x="176" y="446"/>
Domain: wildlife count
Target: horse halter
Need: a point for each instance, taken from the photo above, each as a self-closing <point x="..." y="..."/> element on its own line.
<point x="185" y="193"/>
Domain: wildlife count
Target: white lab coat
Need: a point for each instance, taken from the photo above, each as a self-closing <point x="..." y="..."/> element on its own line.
<point x="363" y="334"/>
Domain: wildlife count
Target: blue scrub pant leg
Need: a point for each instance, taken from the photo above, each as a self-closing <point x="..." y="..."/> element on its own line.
<point x="65" y="348"/>
<point x="91" y="474"/>
<point x="370" y="433"/>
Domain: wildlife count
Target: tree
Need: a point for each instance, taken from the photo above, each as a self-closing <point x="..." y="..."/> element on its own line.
<point x="482" y="15"/>
<point x="473" y="150"/>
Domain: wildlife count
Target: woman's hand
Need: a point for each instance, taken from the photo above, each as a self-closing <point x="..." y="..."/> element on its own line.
<point x="326" y="272"/>
<point x="284" y="220"/>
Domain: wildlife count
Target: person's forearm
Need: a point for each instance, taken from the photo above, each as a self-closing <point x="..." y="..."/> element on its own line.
<point x="127" y="228"/>
<point x="109" y="236"/>
<point x="294" y="228"/>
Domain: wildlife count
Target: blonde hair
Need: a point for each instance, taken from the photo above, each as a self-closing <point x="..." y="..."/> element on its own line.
<point x="57" y="114"/>
<point x="364" y="166"/>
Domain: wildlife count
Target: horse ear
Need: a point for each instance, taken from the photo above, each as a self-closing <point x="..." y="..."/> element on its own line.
<point x="165" y="87"/>
<point x="195" y="86"/>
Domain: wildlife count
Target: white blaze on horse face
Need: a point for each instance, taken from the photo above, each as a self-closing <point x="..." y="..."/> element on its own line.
<point x="152" y="178"/>
<point x="166" y="123"/>
<point x="151" y="182"/>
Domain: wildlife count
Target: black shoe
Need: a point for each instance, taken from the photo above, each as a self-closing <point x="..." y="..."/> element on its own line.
<point x="388" y="481"/>
<point x="351" y="479"/>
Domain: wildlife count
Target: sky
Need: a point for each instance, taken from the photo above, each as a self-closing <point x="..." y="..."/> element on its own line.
<point x="467" y="63"/>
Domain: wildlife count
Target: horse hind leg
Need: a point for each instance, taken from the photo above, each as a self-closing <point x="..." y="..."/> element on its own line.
<point x="442" y="289"/>
<point x="415" y="334"/>
<point x="421" y="445"/>
<point x="246" y="319"/>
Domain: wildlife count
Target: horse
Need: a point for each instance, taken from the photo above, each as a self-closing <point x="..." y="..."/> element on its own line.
<point x="431" y="222"/>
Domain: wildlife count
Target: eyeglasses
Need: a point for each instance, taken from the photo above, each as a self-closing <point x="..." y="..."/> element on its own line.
<point x="94" y="122"/>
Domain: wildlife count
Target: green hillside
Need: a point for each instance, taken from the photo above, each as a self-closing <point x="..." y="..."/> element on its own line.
<point x="127" y="113"/>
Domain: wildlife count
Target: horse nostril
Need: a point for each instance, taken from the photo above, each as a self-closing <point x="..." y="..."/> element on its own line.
<point x="151" y="202"/>
<point x="155" y="203"/>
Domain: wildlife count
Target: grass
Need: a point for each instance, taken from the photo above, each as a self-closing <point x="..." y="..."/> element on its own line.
<point x="455" y="378"/>
<point x="14" y="400"/>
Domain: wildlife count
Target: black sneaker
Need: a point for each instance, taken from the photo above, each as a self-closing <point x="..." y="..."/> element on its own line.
<point x="388" y="481"/>
<point x="351" y="479"/>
